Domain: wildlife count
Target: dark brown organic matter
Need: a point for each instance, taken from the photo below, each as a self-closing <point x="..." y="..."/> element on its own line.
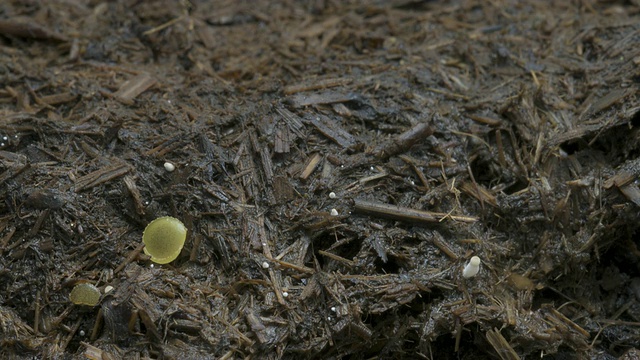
<point x="336" y="164"/>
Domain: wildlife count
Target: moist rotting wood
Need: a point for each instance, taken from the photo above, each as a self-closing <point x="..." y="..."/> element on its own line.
<point x="511" y="127"/>
<point x="404" y="141"/>
<point x="406" y="214"/>
<point x="27" y="28"/>
<point x="101" y="176"/>
<point x="327" y="97"/>
<point x="331" y="129"/>
<point x="131" y="88"/>
<point x="315" y="84"/>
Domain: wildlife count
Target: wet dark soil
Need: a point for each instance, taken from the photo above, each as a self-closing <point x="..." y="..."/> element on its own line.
<point x="336" y="164"/>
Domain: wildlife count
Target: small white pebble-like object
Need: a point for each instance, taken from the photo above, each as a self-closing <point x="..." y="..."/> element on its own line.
<point x="81" y="333"/>
<point x="169" y="166"/>
<point x="333" y="308"/>
<point x="285" y="294"/>
<point x="265" y="265"/>
<point x="334" y="212"/>
<point x="108" y="289"/>
<point x="332" y="195"/>
<point x="472" y="268"/>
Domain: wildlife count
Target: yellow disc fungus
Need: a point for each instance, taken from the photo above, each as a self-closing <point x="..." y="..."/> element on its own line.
<point x="85" y="294"/>
<point x="163" y="239"/>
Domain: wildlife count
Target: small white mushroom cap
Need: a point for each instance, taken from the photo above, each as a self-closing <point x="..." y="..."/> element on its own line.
<point x="169" y="166"/>
<point x="472" y="268"/>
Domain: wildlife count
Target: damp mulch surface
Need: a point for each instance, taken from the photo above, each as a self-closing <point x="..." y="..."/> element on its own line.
<point x="336" y="165"/>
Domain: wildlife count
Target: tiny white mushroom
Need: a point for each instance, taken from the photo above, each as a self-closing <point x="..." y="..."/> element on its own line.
<point x="285" y="294"/>
<point x="108" y="289"/>
<point x="332" y="195"/>
<point x="333" y="308"/>
<point x="265" y="265"/>
<point x="81" y="333"/>
<point x="169" y="166"/>
<point x="334" y="212"/>
<point x="472" y="268"/>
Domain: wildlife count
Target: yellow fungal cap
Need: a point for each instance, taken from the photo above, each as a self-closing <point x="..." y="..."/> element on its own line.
<point x="85" y="294"/>
<point x="163" y="239"/>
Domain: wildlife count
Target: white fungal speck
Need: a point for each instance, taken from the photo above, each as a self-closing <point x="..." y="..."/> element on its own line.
<point x="5" y="138"/>
<point x="285" y="294"/>
<point x="371" y="168"/>
<point x="472" y="268"/>
<point x="108" y="289"/>
<point x="151" y="266"/>
<point x="332" y="195"/>
<point x="81" y="333"/>
<point x="169" y="166"/>
<point x="329" y="318"/>
<point x="265" y="265"/>
<point x="1" y="144"/>
<point x="333" y="308"/>
<point x="334" y="212"/>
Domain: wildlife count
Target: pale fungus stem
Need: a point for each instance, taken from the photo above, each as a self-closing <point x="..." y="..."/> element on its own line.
<point x="472" y="268"/>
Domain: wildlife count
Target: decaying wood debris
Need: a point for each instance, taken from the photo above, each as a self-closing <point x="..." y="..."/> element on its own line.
<point x="336" y="164"/>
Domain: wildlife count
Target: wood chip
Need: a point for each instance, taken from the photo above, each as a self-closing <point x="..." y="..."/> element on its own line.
<point x="405" y="214"/>
<point x="134" y="87"/>
<point x="331" y="129"/>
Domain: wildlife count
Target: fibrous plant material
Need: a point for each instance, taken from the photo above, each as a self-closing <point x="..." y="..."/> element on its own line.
<point x="163" y="239"/>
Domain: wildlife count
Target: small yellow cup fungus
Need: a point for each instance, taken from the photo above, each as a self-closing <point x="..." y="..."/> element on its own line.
<point x="85" y="294"/>
<point x="163" y="239"/>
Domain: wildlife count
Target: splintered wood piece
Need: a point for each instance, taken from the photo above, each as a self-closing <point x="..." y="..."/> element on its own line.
<point x="327" y="97"/>
<point x="56" y="99"/>
<point x="26" y="28"/>
<point x="130" y="183"/>
<point x="620" y="179"/>
<point x="406" y="214"/>
<point x="607" y="101"/>
<point x="282" y="141"/>
<point x="134" y="87"/>
<point x="404" y="141"/>
<point x="276" y="284"/>
<point x="414" y="166"/>
<point x="485" y="120"/>
<point x="267" y="164"/>
<point x="632" y="192"/>
<point x="101" y="176"/>
<point x="479" y="192"/>
<point x="299" y="268"/>
<point x="331" y="129"/>
<point x="258" y="328"/>
<point x="293" y="121"/>
<point x="337" y="258"/>
<point x="132" y="255"/>
<point x="500" y="344"/>
<point x="311" y="165"/>
<point x="315" y="85"/>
